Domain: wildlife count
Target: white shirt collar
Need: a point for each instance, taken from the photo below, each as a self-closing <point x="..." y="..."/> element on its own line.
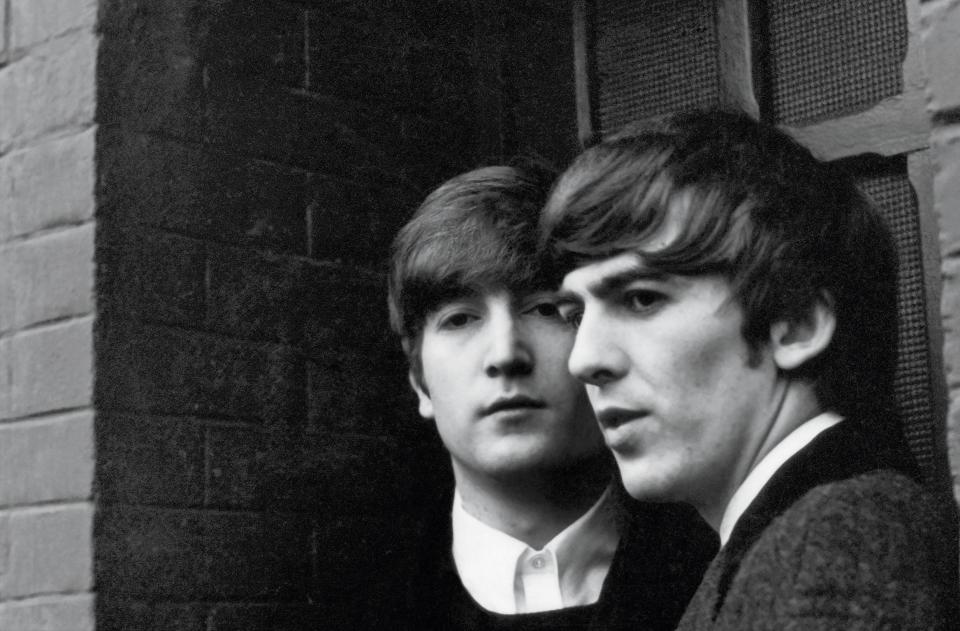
<point x="768" y="466"/>
<point x="504" y="575"/>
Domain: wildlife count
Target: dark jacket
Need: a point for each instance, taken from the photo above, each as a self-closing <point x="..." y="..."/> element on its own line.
<point x="842" y="537"/>
<point x="662" y="555"/>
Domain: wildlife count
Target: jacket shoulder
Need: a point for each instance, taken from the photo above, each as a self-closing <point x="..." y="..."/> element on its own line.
<point x="867" y="551"/>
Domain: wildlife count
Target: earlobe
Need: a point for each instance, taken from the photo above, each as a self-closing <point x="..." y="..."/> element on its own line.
<point x="425" y="403"/>
<point x="798" y="342"/>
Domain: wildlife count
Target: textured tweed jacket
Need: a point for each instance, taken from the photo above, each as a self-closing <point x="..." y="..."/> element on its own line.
<point x="842" y="537"/>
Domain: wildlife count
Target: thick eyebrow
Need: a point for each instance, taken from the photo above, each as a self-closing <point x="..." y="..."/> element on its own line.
<point x="614" y="283"/>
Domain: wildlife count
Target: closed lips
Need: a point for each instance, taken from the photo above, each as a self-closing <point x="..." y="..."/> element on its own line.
<point x="513" y="403"/>
<point x="614" y="417"/>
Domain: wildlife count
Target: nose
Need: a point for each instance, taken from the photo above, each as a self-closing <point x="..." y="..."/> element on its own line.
<point x="508" y="352"/>
<point x="596" y="358"/>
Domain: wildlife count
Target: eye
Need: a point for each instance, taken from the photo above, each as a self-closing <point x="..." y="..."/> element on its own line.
<point x="571" y="314"/>
<point x="643" y="300"/>
<point x="545" y="309"/>
<point x="456" y="320"/>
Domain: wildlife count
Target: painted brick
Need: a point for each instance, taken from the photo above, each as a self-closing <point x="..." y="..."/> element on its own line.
<point x="176" y="186"/>
<point x="48" y="184"/>
<point x="52" y="368"/>
<point x="953" y="440"/>
<point x="359" y="54"/>
<point x="150" y="460"/>
<point x="49" y="613"/>
<point x="256" y="295"/>
<point x="339" y="397"/>
<point x="235" y="457"/>
<point x="52" y="89"/>
<point x="120" y="614"/>
<point x="263" y="41"/>
<point x="47" y="459"/>
<point x="348" y="308"/>
<point x="3" y="34"/>
<point x="380" y="473"/>
<point x="941" y="42"/>
<point x="355" y="223"/>
<point x="266" y="617"/>
<point x="160" y="370"/>
<point x="150" y="275"/>
<point x="442" y="79"/>
<point x="151" y="75"/>
<point x="412" y="55"/>
<point x="945" y="147"/>
<point x="540" y="101"/>
<point x="35" y="21"/>
<point x="349" y="549"/>
<point x="49" y="550"/>
<point x="6" y="377"/>
<point x="150" y="552"/>
<point x="317" y="134"/>
<point x="438" y="148"/>
<point x="950" y="312"/>
<point x="263" y="556"/>
<point x="47" y="277"/>
<point x="196" y="555"/>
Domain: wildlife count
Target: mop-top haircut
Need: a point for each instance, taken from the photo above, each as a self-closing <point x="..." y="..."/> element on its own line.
<point x="476" y="232"/>
<point x="785" y="229"/>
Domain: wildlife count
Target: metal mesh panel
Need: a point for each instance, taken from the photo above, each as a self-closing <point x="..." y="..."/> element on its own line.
<point x="892" y="192"/>
<point x="832" y="57"/>
<point x="653" y="57"/>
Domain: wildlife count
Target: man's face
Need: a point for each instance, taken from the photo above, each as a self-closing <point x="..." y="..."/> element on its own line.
<point x="495" y="371"/>
<point x="669" y="375"/>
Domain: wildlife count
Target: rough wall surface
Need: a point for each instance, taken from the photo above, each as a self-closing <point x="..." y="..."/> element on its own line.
<point x="256" y="443"/>
<point x="47" y="83"/>
<point x="941" y="42"/>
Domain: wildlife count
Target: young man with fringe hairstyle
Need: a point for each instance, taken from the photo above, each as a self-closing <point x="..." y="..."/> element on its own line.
<point x="533" y="532"/>
<point x="735" y="300"/>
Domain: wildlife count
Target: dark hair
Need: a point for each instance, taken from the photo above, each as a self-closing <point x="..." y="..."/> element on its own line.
<point x="753" y="205"/>
<point x="475" y="232"/>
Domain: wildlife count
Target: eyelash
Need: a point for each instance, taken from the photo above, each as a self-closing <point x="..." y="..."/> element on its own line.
<point x="447" y="322"/>
<point x="637" y="301"/>
<point x="572" y="317"/>
<point x="642" y="300"/>
<point x="460" y="319"/>
<point x="537" y="309"/>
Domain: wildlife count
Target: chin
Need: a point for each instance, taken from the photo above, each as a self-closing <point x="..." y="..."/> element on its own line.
<point x="641" y="483"/>
<point x="525" y="462"/>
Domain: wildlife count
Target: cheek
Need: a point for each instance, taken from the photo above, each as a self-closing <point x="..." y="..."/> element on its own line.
<point x="715" y="359"/>
<point x="552" y="353"/>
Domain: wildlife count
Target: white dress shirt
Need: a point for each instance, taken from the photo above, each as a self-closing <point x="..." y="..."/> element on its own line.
<point x="505" y="575"/>
<point x="768" y="466"/>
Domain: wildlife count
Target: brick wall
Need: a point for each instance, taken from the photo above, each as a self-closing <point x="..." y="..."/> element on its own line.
<point x="47" y="131"/>
<point x="211" y="425"/>
<point x="941" y="42"/>
<point x="256" y="443"/>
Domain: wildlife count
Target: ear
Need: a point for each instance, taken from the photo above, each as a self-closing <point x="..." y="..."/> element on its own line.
<point x="426" y="405"/>
<point x="797" y="342"/>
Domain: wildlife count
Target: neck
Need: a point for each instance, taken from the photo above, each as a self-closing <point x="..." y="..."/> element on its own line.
<point x="795" y="405"/>
<point x="534" y="506"/>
